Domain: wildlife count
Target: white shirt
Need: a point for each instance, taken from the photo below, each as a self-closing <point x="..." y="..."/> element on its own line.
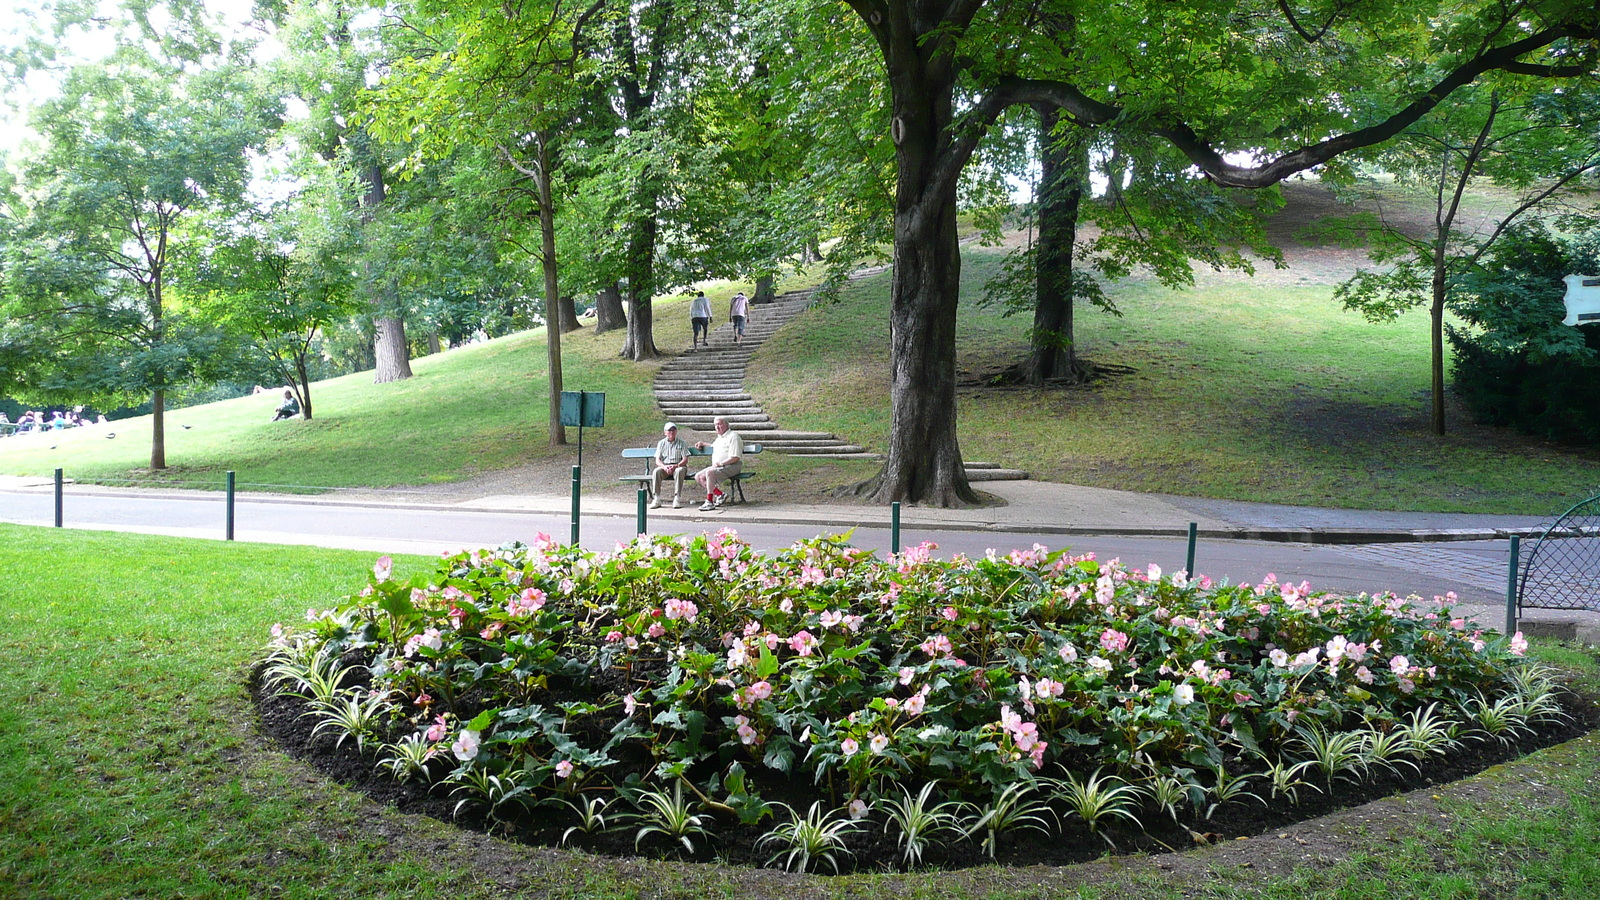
<point x="728" y="445"/>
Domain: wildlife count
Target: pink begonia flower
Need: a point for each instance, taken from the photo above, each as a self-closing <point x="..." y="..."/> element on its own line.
<point x="682" y="609"/>
<point x="761" y="690"/>
<point x="1153" y="573"/>
<point x="747" y="735"/>
<point x="1308" y="658"/>
<point x="493" y="629"/>
<point x="613" y="636"/>
<point x="951" y="613"/>
<point x="849" y="747"/>
<point x="1046" y="687"/>
<point x="772" y="640"/>
<point x="1407" y="685"/>
<point x="1103" y="666"/>
<point x="1113" y="640"/>
<point x="916" y="703"/>
<point x="854" y="622"/>
<point x="831" y="618"/>
<point x="382" y="568"/>
<point x="629" y="704"/>
<point x="857" y="808"/>
<point x="526" y="603"/>
<point x="938" y="645"/>
<point x="1519" y="644"/>
<point x="1278" y="657"/>
<point x="656" y="630"/>
<point x="803" y="642"/>
<point x="737" y="655"/>
<point x="437" y="731"/>
<point x="466" y="746"/>
<point x="1337" y="648"/>
<point x="906" y="674"/>
<point x="879" y="743"/>
<point x="751" y="629"/>
<point x="1068" y="653"/>
<point x="630" y="642"/>
<point x="1399" y="665"/>
<point x="564" y="768"/>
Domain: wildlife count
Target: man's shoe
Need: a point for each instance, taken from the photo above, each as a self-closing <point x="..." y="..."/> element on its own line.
<point x="707" y="506"/>
<point x="656" y="503"/>
<point x="675" y="503"/>
<point x="720" y="499"/>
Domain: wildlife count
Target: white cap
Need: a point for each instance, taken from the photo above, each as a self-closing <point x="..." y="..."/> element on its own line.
<point x="670" y="426"/>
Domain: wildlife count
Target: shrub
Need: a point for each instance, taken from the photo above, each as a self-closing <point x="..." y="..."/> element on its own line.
<point x="544" y="674"/>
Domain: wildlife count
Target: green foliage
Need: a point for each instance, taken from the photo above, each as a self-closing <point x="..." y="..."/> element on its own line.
<point x="818" y="836"/>
<point x="1516" y="363"/>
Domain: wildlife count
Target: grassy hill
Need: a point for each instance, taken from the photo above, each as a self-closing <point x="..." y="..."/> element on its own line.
<point x="1249" y="388"/>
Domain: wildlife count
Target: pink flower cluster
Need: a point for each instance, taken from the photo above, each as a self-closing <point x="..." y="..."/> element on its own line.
<point x="1025" y="735"/>
<point x="682" y="609"/>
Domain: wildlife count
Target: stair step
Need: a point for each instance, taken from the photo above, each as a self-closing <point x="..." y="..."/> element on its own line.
<point x="996" y="474"/>
<point x="805" y="436"/>
<point x="708" y="396"/>
<point x="836" y="455"/>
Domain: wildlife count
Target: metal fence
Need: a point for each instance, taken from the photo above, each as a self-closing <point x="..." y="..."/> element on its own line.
<point x="1563" y="569"/>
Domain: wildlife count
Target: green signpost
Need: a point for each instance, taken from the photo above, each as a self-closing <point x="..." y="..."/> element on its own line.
<point x="585" y="409"/>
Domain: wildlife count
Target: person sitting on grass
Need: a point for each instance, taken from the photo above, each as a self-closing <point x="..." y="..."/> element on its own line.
<point x="289" y="408"/>
<point x="672" y="461"/>
<point x="726" y="462"/>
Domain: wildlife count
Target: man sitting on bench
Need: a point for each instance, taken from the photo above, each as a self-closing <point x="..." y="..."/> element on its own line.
<point x="672" y="461"/>
<point x="725" y="463"/>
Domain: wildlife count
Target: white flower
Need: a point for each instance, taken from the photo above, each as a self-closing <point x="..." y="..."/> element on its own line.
<point x="1103" y="666"/>
<point x="1279" y="657"/>
<point x="466" y="746"/>
<point x="382" y="568"/>
<point x="857" y="808"/>
<point x="1183" y="694"/>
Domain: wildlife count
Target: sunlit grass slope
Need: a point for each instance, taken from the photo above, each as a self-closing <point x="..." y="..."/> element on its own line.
<point x="1238" y="389"/>
<point x="474" y="409"/>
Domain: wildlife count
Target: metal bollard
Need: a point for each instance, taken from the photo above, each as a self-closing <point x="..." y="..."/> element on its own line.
<point x="1511" y="585"/>
<point x="230" y="505"/>
<point x="58" y="498"/>
<point x="1188" y="564"/>
<point x="894" y="527"/>
<point x="577" y="486"/>
<point x="644" y="515"/>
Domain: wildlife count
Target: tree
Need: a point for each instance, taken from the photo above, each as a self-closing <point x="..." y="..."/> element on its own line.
<point x="278" y="279"/>
<point x="133" y="148"/>
<point x="1539" y="142"/>
<point x="998" y="55"/>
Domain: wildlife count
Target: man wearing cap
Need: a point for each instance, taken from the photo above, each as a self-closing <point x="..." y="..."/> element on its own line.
<point x="672" y="461"/>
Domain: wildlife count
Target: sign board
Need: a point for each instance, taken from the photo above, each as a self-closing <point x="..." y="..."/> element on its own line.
<point x="1582" y="299"/>
<point x="586" y="409"/>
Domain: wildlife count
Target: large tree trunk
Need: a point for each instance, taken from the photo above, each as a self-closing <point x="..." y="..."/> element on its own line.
<point x="389" y="350"/>
<point x="640" y="343"/>
<point x="764" y="292"/>
<point x="1062" y="171"/>
<point x="608" y="313"/>
<point x="304" y="383"/>
<point x="158" y="429"/>
<point x="566" y="314"/>
<point x="924" y="460"/>
<point x="552" y="287"/>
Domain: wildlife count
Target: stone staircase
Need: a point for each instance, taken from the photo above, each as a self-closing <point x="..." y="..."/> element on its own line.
<point x="706" y="382"/>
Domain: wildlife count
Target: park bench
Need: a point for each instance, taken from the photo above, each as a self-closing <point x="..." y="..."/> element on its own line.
<point x="648" y="454"/>
<point x="7" y="428"/>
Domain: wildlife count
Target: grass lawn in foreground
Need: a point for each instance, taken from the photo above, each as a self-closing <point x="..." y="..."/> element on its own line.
<point x="133" y="769"/>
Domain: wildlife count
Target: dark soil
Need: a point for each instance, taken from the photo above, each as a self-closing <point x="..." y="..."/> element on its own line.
<point x="872" y="849"/>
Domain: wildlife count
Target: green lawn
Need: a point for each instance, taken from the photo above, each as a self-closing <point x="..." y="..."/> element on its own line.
<point x="133" y="768"/>
<point x="1237" y="390"/>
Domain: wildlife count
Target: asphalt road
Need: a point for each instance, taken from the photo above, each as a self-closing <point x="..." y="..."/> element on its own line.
<point x="1475" y="571"/>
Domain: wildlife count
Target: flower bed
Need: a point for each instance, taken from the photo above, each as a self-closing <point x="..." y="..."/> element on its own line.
<point x="680" y="688"/>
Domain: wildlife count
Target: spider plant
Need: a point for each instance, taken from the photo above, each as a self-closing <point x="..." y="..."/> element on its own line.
<point x="350" y="714"/>
<point x="1013" y="809"/>
<point x="500" y="795"/>
<point x="1337" y="754"/>
<point x="591" y="816"/>
<point x="1284" y="779"/>
<point x="1537" y="693"/>
<point x="1227" y="787"/>
<point x="1390" y="749"/>
<point x="1501" y="720"/>
<point x="1169" y="792"/>
<point x="318" y="679"/>
<point x="1428" y="732"/>
<point x="670" y="816"/>
<point x="818" y="836"/>
<point x="919" y="820"/>
<point x="1098" y="800"/>
<point x="408" y="758"/>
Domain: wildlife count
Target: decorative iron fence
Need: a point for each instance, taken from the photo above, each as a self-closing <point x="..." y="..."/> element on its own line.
<point x="1563" y="570"/>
